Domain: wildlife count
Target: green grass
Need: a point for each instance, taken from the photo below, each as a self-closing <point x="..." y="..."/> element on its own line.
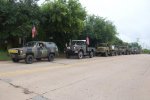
<point x="4" y="56"/>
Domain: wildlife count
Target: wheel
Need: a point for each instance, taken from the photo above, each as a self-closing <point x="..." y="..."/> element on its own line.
<point x="115" y="53"/>
<point x="106" y="54"/>
<point x="96" y="54"/>
<point x="15" y="60"/>
<point x="50" y="57"/>
<point x="80" y="55"/>
<point x="91" y="54"/>
<point x="111" y="54"/>
<point x="38" y="59"/>
<point x="29" y="59"/>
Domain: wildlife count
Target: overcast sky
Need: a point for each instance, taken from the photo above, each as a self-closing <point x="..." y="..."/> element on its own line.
<point x="131" y="17"/>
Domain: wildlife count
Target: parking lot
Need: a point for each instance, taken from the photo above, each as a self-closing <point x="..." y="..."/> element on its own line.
<point x="99" y="78"/>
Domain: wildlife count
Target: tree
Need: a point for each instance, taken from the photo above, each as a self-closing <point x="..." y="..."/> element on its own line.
<point x="118" y="41"/>
<point x="17" y="18"/>
<point x="62" y="20"/>
<point x="99" y="29"/>
<point x="135" y="44"/>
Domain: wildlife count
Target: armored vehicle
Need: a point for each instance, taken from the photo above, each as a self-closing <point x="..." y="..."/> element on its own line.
<point x="79" y="48"/>
<point x="105" y="49"/>
<point x="34" y="50"/>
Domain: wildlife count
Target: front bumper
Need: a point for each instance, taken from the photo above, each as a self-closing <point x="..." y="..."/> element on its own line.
<point x="17" y="56"/>
<point x="100" y="52"/>
<point x="71" y="52"/>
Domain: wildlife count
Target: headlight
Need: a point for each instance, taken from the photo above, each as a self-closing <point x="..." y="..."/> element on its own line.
<point x="68" y="47"/>
<point x="75" y="48"/>
<point x="21" y="51"/>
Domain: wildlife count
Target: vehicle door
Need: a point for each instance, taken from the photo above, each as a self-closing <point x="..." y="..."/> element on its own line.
<point x="41" y="50"/>
<point x="84" y="46"/>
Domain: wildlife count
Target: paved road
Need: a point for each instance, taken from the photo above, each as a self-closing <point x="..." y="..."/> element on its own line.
<point x="99" y="78"/>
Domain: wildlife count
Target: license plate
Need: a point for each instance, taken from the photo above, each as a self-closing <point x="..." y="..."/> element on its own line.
<point x="13" y="51"/>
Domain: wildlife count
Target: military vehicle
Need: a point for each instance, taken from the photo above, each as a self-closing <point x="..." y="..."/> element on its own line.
<point x="34" y="50"/>
<point x="106" y="50"/>
<point x="124" y="50"/>
<point x="79" y="48"/>
<point x="135" y="50"/>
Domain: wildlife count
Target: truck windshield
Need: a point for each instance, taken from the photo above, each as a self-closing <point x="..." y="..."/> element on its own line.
<point x="78" y="42"/>
<point x="102" y="44"/>
<point x="30" y="44"/>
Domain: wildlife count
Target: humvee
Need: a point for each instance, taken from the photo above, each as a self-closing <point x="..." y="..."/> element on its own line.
<point x="79" y="48"/>
<point x="34" y="50"/>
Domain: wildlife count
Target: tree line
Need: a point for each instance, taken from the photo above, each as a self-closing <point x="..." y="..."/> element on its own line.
<point x="55" y="20"/>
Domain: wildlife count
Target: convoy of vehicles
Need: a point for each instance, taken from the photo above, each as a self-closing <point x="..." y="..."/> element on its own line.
<point x="80" y="48"/>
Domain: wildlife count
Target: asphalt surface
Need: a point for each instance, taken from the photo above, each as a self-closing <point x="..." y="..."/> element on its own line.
<point x="98" y="78"/>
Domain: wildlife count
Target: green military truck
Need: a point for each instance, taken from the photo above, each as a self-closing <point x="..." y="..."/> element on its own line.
<point x="34" y="50"/>
<point x="79" y="48"/>
<point x="106" y="50"/>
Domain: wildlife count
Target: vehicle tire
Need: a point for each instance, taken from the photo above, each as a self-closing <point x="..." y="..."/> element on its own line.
<point x="38" y="59"/>
<point x="111" y="54"/>
<point x="106" y="54"/>
<point x="29" y="59"/>
<point x="15" y="60"/>
<point x="116" y="53"/>
<point x="91" y="54"/>
<point x="96" y="54"/>
<point x="51" y="57"/>
<point x="80" y="55"/>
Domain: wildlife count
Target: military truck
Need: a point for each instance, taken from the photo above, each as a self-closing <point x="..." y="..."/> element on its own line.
<point x="135" y="50"/>
<point x="106" y="50"/>
<point x="124" y="50"/>
<point x="34" y="50"/>
<point x="80" y="49"/>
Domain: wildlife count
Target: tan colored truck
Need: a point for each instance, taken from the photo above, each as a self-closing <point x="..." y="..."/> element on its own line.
<point x="106" y="50"/>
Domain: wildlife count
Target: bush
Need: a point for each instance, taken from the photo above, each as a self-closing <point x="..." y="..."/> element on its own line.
<point x="4" y="56"/>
